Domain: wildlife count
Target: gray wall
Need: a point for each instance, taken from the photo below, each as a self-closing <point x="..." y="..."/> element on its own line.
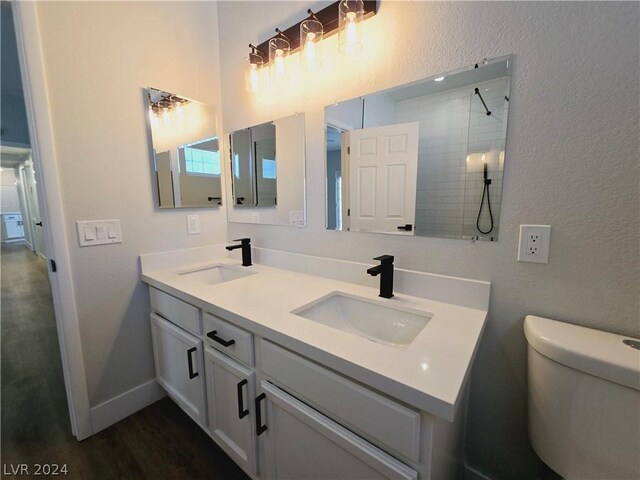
<point x="98" y="58"/>
<point x="571" y="161"/>
<point x="13" y="116"/>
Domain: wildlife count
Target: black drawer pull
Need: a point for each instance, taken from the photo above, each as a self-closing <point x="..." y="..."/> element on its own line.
<point x="260" y="429"/>
<point x="225" y="343"/>
<point x="242" y="412"/>
<point x="192" y="374"/>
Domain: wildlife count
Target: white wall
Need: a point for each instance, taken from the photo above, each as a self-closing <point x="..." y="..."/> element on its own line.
<point x="98" y="58"/>
<point x="571" y="161"/>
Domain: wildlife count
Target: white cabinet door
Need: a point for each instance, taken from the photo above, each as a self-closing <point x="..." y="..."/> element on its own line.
<point x="383" y="169"/>
<point x="302" y="444"/>
<point x="230" y="395"/>
<point x="179" y="366"/>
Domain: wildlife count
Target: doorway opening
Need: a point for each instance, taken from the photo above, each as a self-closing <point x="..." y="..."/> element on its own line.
<point x="34" y="399"/>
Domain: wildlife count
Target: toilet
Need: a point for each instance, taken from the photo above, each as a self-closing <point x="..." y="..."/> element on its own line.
<point x="584" y="400"/>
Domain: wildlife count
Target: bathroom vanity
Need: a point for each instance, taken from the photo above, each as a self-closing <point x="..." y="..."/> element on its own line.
<point x="297" y="369"/>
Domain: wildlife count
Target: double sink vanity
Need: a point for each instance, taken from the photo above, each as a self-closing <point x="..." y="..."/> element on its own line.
<point x="296" y="367"/>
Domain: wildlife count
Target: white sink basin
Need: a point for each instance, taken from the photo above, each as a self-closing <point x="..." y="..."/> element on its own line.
<point x="371" y="319"/>
<point x="214" y="274"/>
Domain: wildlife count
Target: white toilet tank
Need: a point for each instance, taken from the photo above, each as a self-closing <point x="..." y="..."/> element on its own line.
<point x="584" y="400"/>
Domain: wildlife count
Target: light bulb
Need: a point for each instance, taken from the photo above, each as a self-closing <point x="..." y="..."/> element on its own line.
<point x="352" y="32"/>
<point x="467" y="158"/>
<point x="310" y="48"/>
<point x="253" y="77"/>
<point x="279" y="63"/>
<point x="483" y="157"/>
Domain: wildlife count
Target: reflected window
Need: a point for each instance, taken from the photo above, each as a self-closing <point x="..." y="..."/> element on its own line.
<point x="201" y="162"/>
<point x="268" y="168"/>
<point x="236" y="165"/>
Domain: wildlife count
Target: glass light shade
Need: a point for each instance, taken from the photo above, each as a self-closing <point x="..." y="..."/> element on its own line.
<point x="350" y="16"/>
<point x="311" y="33"/>
<point x="253" y="72"/>
<point x="279" y="49"/>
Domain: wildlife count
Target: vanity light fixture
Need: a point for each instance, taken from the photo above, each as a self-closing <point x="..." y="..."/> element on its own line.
<point x="311" y="33"/>
<point x="162" y="102"/>
<point x="350" y="16"/>
<point x="256" y="61"/>
<point x="279" y="48"/>
<point x="345" y="16"/>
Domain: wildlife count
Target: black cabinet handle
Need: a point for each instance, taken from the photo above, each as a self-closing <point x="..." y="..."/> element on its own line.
<point x="225" y="343"/>
<point x="192" y="374"/>
<point x="242" y="412"/>
<point x="408" y="227"/>
<point x="39" y="224"/>
<point x="260" y="429"/>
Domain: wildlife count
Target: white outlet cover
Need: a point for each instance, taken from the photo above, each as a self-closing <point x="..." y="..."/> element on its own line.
<point x="193" y="224"/>
<point x="534" y="243"/>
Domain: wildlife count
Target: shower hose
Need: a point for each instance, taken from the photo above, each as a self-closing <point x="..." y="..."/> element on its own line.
<point x="485" y="192"/>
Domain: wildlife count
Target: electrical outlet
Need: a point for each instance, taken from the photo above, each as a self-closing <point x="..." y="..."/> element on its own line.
<point x="193" y="224"/>
<point x="534" y="243"/>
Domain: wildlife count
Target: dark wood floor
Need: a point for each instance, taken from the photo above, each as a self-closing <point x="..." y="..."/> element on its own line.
<point x="156" y="443"/>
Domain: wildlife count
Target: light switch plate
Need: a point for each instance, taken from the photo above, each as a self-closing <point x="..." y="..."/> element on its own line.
<point x="98" y="232"/>
<point x="534" y="243"/>
<point x="296" y="218"/>
<point x="193" y="224"/>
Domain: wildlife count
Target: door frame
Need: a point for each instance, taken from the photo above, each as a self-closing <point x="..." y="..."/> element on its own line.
<point x="49" y="195"/>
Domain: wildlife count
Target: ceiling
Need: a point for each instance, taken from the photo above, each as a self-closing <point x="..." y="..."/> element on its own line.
<point x="11" y="157"/>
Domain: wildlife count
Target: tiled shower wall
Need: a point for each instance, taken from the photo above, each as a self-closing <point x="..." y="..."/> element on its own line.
<point x="455" y="133"/>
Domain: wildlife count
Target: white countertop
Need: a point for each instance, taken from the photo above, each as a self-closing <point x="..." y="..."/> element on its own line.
<point x="429" y="374"/>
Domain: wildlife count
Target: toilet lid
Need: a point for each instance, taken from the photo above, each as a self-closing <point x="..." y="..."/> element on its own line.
<point x="595" y="352"/>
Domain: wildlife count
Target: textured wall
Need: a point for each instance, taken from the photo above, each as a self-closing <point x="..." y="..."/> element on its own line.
<point x="571" y="161"/>
<point x="98" y="57"/>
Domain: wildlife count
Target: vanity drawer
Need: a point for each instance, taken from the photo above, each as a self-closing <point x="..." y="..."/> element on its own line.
<point x="373" y="416"/>
<point x="219" y="333"/>
<point x="181" y="313"/>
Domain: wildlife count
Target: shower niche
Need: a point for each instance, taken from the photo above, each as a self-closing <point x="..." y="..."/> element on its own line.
<point x="425" y="158"/>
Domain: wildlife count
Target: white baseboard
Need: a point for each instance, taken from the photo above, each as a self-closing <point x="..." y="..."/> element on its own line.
<point x="125" y="404"/>
<point x="473" y="474"/>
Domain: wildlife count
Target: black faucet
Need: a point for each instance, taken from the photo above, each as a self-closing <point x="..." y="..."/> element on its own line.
<point x="385" y="270"/>
<point x="245" y="245"/>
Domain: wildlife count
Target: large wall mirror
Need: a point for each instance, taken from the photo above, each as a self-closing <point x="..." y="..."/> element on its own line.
<point x="186" y="151"/>
<point x="267" y="165"/>
<point x="424" y="158"/>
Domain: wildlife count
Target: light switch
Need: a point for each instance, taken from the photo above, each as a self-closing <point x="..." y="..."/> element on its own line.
<point x="101" y="231"/>
<point x="89" y="232"/>
<point x="98" y="232"/>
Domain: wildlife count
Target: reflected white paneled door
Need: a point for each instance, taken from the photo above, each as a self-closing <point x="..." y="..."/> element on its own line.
<point x="383" y="169"/>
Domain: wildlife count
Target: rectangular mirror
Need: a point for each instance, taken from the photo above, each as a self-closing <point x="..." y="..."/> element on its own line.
<point x="424" y="158"/>
<point x="185" y="151"/>
<point x="267" y="164"/>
